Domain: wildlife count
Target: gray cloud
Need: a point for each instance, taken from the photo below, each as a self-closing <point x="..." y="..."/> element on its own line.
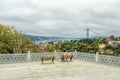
<point x="59" y="17"/>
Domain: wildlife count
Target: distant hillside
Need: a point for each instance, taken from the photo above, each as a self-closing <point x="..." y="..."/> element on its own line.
<point x="48" y="38"/>
<point x="42" y="38"/>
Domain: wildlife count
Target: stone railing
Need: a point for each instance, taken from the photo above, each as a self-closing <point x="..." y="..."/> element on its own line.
<point x="10" y="58"/>
<point x="25" y="57"/>
<point x="104" y="59"/>
<point x="33" y="57"/>
<point x="111" y="60"/>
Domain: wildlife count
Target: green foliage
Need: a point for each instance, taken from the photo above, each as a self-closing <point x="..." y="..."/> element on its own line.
<point x="11" y="39"/>
<point x="84" y="45"/>
<point x="112" y="37"/>
<point x="117" y="50"/>
<point x="109" y="47"/>
<point x="52" y="48"/>
<point x="96" y="42"/>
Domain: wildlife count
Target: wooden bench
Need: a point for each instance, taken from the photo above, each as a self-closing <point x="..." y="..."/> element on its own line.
<point x="44" y="58"/>
<point x="66" y="57"/>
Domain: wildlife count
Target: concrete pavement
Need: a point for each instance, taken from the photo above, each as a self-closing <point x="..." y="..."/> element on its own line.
<point x="75" y="70"/>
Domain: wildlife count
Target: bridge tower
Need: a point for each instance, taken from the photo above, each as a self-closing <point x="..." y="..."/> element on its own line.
<point x="87" y="33"/>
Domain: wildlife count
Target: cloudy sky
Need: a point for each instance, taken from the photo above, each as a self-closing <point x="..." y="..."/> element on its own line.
<point x="62" y="17"/>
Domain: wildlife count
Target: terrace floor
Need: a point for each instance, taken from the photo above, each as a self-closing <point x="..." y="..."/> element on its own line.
<point x="75" y="70"/>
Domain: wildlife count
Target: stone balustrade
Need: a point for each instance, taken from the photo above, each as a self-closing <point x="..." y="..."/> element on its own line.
<point x="33" y="57"/>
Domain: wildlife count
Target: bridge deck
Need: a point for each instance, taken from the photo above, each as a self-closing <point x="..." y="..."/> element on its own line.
<point x="76" y="70"/>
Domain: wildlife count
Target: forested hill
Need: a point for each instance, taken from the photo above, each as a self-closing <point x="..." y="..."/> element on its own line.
<point x="41" y="38"/>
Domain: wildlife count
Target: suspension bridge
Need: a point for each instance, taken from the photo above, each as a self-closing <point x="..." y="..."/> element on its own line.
<point x="88" y="34"/>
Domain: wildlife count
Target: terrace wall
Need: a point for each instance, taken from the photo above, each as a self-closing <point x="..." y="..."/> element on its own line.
<point x="34" y="57"/>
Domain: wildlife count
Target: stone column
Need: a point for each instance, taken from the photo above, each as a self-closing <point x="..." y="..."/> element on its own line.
<point x="97" y="57"/>
<point x="75" y="54"/>
<point x="56" y="55"/>
<point x="28" y="56"/>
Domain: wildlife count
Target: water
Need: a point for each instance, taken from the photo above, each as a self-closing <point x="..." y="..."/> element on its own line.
<point x="52" y="40"/>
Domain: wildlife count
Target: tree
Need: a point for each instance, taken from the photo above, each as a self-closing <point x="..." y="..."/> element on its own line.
<point x="12" y="40"/>
<point x="117" y="50"/>
<point x="112" y="37"/>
